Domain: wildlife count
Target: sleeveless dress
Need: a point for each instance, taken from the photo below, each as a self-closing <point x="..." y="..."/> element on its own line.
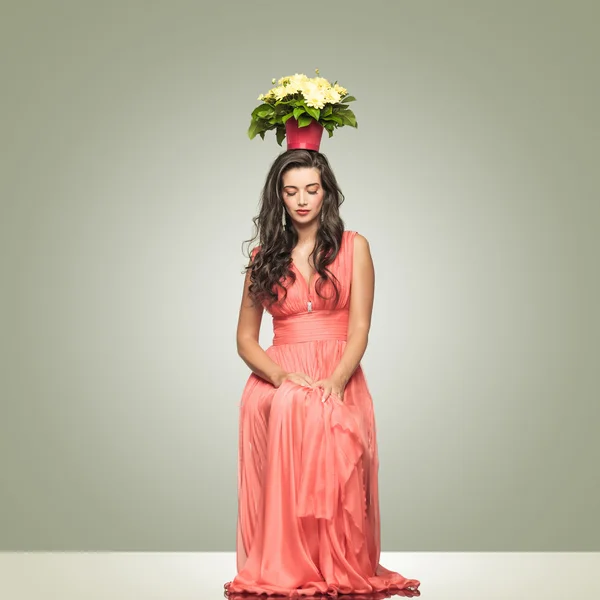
<point x="308" y="503"/>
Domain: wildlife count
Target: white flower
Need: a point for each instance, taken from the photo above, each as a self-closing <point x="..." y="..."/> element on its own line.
<point x="332" y="96"/>
<point x="280" y="92"/>
<point x="342" y="90"/>
<point x="314" y="95"/>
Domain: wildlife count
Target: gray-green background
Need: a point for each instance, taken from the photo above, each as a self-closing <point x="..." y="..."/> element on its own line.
<point x="128" y="184"/>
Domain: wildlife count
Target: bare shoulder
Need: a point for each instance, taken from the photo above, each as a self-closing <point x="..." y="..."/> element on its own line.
<point x="362" y="249"/>
<point x="360" y="241"/>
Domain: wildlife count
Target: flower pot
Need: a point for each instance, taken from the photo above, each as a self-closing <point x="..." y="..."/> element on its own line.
<point x="308" y="137"/>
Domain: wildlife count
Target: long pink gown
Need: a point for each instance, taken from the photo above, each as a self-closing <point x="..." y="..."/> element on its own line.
<point x="308" y="502"/>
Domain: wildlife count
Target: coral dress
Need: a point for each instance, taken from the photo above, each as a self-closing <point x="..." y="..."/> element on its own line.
<point x="308" y="502"/>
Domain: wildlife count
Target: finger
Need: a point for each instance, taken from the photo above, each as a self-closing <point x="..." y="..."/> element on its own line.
<point x="299" y="379"/>
<point x="326" y="393"/>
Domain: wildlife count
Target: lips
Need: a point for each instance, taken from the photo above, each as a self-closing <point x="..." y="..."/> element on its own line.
<point x="303" y="212"/>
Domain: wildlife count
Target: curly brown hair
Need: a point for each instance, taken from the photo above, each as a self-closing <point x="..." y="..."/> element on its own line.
<point x="272" y="261"/>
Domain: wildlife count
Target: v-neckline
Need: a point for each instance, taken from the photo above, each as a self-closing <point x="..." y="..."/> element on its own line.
<point x="307" y="283"/>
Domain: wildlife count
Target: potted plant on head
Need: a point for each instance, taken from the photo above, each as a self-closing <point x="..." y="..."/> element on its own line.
<point x="299" y="108"/>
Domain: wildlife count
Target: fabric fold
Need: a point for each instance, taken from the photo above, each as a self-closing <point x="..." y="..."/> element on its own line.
<point x="331" y="450"/>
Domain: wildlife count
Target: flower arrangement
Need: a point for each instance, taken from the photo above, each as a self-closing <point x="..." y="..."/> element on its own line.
<point x="305" y="99"/>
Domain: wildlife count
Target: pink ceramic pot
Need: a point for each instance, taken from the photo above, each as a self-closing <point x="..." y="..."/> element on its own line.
<point x="308" y="137"/>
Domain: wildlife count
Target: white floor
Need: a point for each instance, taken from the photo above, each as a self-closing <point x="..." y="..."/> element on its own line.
<point x="200" y="576"/>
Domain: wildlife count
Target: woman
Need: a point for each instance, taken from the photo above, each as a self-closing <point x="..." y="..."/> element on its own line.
<point x="308" y="520"/>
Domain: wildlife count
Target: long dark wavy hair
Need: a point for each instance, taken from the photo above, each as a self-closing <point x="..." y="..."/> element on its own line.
<point x="273" y="261"/>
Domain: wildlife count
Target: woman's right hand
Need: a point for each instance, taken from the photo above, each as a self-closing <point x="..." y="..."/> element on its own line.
<point x="299" y="378"/>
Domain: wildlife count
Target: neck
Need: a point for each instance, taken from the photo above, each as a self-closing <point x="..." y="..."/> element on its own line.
<point x="307" y="235"/>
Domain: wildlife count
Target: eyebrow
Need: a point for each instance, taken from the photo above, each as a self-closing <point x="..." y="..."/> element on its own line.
<point x="307" y="185"/>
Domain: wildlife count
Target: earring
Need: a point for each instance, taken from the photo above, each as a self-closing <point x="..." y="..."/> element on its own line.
<point x="283" y="219"/>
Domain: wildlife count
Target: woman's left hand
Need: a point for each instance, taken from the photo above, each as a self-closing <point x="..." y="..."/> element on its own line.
<point x="331" y="386"/>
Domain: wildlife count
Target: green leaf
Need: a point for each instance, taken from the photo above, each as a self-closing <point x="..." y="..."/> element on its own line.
<point x="313" y="112"/>
<point x="299" y="110"/>
<point x="265" y="113"/>
<point x="286" y="117"/>
<point x="352" y="118"/>
<point x="280" y="134"/>
<point x="348" y="117"/>
<point x="304" y="120"/>
<point x="261" y="108"/>
<point x="252" y="130"/>
<point x="348" y="99"/>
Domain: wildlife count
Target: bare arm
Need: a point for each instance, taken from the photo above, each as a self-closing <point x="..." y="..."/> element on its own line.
<point x="248" y="348"/>
<point x="362" y="293"/>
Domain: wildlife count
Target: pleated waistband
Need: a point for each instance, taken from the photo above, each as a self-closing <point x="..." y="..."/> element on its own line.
<point x="309" y="326"/>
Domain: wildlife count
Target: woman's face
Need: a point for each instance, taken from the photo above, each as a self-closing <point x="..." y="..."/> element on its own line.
<point x="302" y="191"/>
